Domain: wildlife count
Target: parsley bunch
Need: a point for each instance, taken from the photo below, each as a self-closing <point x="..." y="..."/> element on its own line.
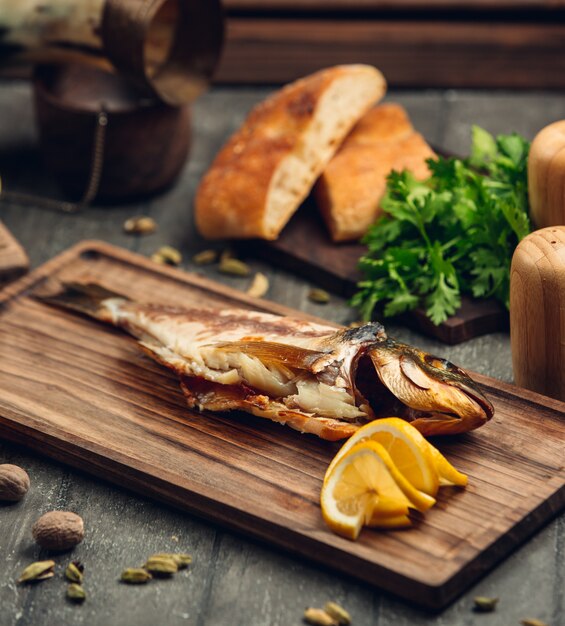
<point x="453" y="233"/>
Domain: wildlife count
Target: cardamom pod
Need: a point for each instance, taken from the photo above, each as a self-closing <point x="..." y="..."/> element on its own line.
<point x="76" y="593"/>
<point x="74" y="573"/>
<point x="206" y="257"/>
<point x="182" y="560"/>
<point x="161" y="566"/>
<point x="532" y="621"/>
<point x="259" y="286"/>
<point x="136" y="576"/>
<point x="318" y="617"/>
<point x="319" y="296"/>
<point x="170" y="255"/>
<point x="338" y="613"/>
<point x="484" y="604"/>
<point x="40" y="570"/>
<point x="140" y="225"/>
<point x="234" y="267"/>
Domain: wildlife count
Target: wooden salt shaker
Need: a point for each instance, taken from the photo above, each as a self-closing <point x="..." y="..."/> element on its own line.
<point x="537" y="312"/>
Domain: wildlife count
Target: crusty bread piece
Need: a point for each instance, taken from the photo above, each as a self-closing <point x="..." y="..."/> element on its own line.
<point x="351" y="187"/>
<point x="269" y="166"/>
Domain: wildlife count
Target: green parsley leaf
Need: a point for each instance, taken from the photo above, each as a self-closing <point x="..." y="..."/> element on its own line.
<point x="450" y="234"/>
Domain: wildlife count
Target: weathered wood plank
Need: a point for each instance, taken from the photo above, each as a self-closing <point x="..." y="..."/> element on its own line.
<point x="323" y="6"/>
<point x="409" y="53"/>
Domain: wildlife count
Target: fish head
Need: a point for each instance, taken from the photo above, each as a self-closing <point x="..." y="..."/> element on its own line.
<point x="437" y="396"/>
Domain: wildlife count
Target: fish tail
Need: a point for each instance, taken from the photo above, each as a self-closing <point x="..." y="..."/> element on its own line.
<point x="89" y="299"/>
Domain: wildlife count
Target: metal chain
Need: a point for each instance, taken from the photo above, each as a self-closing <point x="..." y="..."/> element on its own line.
<point x="92" y="187"/>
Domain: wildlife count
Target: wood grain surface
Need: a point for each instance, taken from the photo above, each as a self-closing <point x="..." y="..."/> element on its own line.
<point x="13" y="259"/>
<point x="305" y="248"/>
<point x="349" y="6"/>
<point x="537" y="302"/>
<point x="410" y="51"/>
<point x="84" y="394"/>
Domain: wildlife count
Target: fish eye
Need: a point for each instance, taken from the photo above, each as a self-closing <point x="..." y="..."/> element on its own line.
<point x="438" y="363"/>
<point x="444" y="365"/>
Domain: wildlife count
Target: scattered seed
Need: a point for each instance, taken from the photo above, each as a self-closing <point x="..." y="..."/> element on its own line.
<point x="76" y="593"/>
<point x="40" y="570"/>
<point x="318" y="617"/>
<point x="136" y="576"/>
<point x="234" y="267"/>
<point x="338" y="613"/>
<point x="167" y="255"/>
<point x="319" y="296"/>
<point x="182" y="560"/>
<point x="171" y="255"/>
<point x="532" y="621"/>
<point x="484" y="605"/>
<point x="259" y="286"/>
<point x="206" y="257"/>
<point x="140" y="225"/>
<point x="161" y="566"/>
<point x="74" y="572"/>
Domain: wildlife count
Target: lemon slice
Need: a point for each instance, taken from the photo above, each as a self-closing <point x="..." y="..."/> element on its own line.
<point x="397" y="521"/>
<point x="361" y="479"/>
<point x="448" y="475"/>
<point x="408" y="449"/>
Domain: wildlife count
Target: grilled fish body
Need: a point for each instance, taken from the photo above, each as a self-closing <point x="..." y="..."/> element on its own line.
<point x="309" y="376"/>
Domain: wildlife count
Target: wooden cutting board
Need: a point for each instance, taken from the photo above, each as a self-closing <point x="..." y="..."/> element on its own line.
<point x="13" y="259"/>
<point x="83" y="393"/>
<point x="305" y="248"/>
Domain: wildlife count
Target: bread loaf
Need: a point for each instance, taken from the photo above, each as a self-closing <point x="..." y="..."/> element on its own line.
<point x="352" y="185"/>
<point x="268" y="167"/>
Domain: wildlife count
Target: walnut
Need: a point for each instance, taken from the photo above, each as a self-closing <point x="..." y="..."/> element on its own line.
<point x="58" y="530"/>
<point x="14" y="483"/>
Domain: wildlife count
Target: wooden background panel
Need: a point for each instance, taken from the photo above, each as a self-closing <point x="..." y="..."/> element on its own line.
<point x="408" y="52"/>
<point x="452" y="6"/>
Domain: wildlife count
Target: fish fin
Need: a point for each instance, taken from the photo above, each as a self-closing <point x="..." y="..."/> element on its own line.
<point x="414" y="372"/>
<point x="86" y="298"/>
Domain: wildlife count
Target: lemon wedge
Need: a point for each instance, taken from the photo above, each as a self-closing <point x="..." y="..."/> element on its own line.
<point x="365" y="487"/>
<point x="448" y="475"/>
<point x="408" y="449"/>
<point x="398" y="521"/>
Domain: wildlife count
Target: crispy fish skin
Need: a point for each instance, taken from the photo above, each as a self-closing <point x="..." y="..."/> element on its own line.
<point x="305" y="375"/>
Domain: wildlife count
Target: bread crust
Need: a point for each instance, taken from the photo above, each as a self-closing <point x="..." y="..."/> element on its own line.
<point x="232" y="198"/>
<point x="351" y="187"/>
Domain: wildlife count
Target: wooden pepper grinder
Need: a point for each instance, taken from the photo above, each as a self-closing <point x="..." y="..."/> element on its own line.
<point x="537" y="312"/>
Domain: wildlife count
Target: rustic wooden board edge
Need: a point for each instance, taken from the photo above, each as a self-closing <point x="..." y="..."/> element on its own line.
<point x="433" y="596"/>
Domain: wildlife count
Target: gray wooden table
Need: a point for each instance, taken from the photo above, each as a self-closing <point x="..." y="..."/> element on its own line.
<point x="235" y="580"/>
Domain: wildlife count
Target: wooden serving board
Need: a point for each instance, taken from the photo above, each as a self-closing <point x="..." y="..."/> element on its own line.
<point x="83" y="393"/>
<point x="13" y="259"/>
<point x="305" y="248"/>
